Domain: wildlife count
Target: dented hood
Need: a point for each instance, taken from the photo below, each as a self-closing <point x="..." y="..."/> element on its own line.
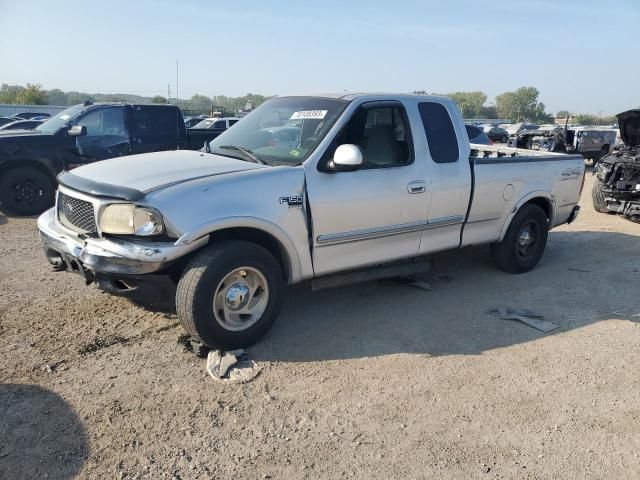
<point x="629" y="123"/>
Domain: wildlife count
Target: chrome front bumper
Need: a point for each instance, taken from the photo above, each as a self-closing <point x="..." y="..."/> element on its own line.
<point x="114" y="256"/>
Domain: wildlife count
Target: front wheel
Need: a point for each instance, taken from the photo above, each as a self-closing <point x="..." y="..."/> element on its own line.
<point x="599" y="204"/>
<point x="524" y="242"/>
<point x="26" y="191"/>
<point x="230" y="294"/>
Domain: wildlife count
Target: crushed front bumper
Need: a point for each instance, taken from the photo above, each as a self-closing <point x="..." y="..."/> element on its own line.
<point x="68" y="251"/>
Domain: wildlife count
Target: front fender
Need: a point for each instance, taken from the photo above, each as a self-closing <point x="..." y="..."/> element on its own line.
<point x="528" y="197"/>
<point x="299" y="264"/>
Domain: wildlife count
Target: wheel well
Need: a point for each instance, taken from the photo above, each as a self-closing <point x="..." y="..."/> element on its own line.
<point x="10" y="164"/>
<point x="544" y="204"/>
<point x="258" y="237"/>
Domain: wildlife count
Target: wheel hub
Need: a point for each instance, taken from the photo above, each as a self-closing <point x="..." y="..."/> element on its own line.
<point x="240" y="299"/>
<point x="237" y="296"/>
<point x="525" y="238"/>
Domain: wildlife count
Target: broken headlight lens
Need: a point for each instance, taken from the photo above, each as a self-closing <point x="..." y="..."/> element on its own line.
<point x="128" y="219"/>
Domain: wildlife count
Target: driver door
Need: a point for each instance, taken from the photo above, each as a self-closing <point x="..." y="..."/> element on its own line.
<point x="107" y="134"/>
<point x="375" y="214"/>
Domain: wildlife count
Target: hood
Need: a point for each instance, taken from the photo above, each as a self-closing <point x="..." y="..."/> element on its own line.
<point x="629" y="123"/>
<point x="151" y="171"/>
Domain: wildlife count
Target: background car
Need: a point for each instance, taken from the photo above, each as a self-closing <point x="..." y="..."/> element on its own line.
<point x="32" y="115"/>
<point x="216" y="123"/>
<point x="477" y="135"/>
<point x="21" y="125"/>
<point x="191" y="122"/>
<point x="6" y="120"/>
<point x="496" y="134"/>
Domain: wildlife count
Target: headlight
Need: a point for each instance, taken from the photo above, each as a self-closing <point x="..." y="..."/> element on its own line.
<point x="127" y="219"/>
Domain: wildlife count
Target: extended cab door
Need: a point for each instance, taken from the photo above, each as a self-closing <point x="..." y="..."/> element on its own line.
<point x="155" y="128"/>
<point x="447" y="157"/>
<point x="375" y="214"/>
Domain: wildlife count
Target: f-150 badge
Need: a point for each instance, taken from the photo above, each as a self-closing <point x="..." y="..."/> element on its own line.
<point x="292" y="201"/>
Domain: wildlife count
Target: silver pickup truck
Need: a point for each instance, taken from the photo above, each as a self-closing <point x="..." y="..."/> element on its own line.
<point x="303" y="188"/>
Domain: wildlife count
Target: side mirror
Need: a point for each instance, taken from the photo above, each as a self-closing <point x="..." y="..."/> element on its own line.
<point x="77" y="131"/>
<point x="346" y="158"/>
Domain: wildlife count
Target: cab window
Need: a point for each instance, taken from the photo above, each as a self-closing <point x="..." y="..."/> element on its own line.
<point x="382" y="133"/>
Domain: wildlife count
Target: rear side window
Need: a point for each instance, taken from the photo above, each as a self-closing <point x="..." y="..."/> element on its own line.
<point x="441" y="136"/>
<point x="155" y="120"/>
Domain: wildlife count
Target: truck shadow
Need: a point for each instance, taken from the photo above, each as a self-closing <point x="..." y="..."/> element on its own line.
<point x="583" y="277"/>
<point x="40" y="434"/>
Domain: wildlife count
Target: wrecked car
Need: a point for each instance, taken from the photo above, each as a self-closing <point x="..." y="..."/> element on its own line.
<point x="616" y="184"/>
<point x="372" y="184"/>
<point x="591" y="142"/>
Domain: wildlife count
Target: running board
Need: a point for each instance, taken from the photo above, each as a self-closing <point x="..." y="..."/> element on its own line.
<point x="376" y="272"/>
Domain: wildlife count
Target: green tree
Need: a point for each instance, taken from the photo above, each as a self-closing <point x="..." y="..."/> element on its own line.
<point x="522" y="105"/>
<point x="470" y="103"/>
<point x="8" y="93"/>
<point x="158" y="99"/>
<point x="57" y="97"/>
<point x="33" y="94"/>
<point x="563" y="113"/>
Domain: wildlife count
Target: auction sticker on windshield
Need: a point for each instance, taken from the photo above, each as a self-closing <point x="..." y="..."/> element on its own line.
<point x="309" y="114"/>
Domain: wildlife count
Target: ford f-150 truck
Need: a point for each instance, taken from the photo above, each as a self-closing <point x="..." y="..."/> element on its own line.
<point x="373" y="182"/>
<point x="30" y="160"/>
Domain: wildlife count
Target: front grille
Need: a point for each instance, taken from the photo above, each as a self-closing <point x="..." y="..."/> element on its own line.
<point x="76" y="214"/>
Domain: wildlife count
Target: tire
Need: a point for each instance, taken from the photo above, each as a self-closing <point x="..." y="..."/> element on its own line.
<point x="512" y="254"/>
<point x="214" y="319"/>
<point x="26" y="191"/>
<point x="599" y="205"/>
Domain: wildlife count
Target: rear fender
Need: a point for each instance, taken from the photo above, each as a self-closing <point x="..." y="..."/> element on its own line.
<point x="540" y="195"/>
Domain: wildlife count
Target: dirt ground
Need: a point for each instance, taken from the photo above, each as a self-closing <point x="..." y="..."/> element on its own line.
<point x="370" y="381"/>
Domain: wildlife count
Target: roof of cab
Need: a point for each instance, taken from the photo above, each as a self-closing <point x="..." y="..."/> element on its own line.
<point x="349" y="96"/>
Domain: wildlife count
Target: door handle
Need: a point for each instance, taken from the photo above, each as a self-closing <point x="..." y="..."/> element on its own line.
<point x="419" y="186"/>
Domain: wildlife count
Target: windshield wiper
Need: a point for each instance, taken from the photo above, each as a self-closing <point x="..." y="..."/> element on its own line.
<point x="248" y="154"/>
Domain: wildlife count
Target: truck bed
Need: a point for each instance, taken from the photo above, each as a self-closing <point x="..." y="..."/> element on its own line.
<point x="503" y="178"/>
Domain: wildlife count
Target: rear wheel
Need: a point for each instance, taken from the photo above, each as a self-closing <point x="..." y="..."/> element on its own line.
<point x="524" y="242"/>
<point x="26" y="191"/>
<point x="599" y="205"/>
<point x="230" y="294"/>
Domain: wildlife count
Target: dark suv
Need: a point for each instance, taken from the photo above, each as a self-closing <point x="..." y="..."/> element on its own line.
<point x="30" y="160"/>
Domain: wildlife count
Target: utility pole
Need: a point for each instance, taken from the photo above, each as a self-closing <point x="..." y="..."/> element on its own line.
<point x="177" y="98"/>
<point x="168" y="93"/>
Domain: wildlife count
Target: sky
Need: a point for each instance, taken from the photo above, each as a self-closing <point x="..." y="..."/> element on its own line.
<point x="578" y="53"/>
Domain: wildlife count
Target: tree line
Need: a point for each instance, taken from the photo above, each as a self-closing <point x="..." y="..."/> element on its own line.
<point x="34" y="94"/>
<point x="520" y="105"/>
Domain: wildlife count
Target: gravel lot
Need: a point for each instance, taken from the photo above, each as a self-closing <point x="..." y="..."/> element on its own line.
<point x="371" y="381"/>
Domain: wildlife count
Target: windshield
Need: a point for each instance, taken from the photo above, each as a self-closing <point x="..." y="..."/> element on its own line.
<point x="282" y="130"/>
<point x="60" y="120"/>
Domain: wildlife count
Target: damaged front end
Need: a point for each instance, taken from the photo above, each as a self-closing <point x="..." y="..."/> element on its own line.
<point x="618" y="174"/>
<point x="619" y="182"/>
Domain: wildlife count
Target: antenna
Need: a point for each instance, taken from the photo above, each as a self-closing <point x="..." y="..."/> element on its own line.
<point x="177" y="111"/>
